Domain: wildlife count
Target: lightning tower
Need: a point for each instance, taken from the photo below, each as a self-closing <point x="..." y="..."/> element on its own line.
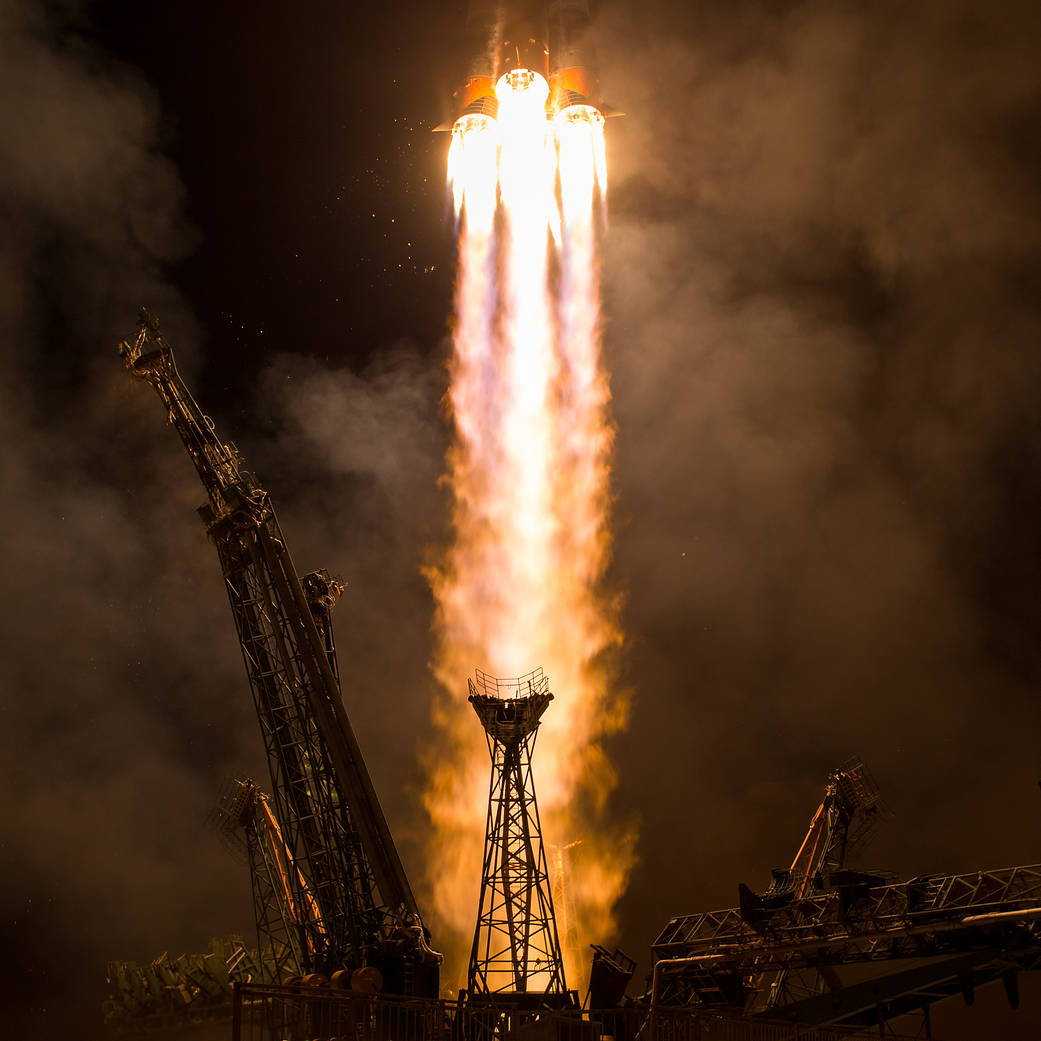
<point x="516" y="953"/>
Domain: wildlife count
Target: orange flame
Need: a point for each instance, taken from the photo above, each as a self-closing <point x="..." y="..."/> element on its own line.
<point x="521" y="584"/>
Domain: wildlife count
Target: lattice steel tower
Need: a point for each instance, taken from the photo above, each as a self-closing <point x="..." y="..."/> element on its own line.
<point x="342" y="893"/>
<point x="516" y="952"/>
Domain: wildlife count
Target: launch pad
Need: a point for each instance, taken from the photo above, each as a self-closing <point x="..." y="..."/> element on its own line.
<point x="335" y="910"/>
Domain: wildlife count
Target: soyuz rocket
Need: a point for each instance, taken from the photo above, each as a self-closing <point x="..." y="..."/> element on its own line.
<point x="529" y="39"/>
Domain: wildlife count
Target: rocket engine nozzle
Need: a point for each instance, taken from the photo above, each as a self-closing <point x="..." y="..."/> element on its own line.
<point x="524" y="43"/>
<point x="571" y="87"/>
<point x="477" y="97"/>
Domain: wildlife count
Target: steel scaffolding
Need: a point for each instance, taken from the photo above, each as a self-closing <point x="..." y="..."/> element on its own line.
<point x="347" y="903"/>
<point x="516" y="951"/>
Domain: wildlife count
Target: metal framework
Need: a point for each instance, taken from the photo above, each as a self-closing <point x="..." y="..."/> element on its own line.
<point x="246" y="811"/>
<point x="780" y="954"/>
<point x="516" y="951"/>
<point x="180" y="992"/>
<point x="343" y="856"/>
<point x="850" y="811"/>
<point x="304" y="1013"/>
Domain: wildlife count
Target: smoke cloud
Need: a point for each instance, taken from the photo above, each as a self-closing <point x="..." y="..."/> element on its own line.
<point x="823" y="308"/>
<point x="118" y="664"/>
<point x="354" y="461"/>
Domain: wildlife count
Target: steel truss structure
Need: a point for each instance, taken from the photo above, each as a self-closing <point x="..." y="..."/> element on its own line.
<point x="304" y="1013"/>
<point x="344" y="862"/>
<point x="180" y="992"/>
<point x="247" y="811"/>
<point x="779" y="954"/>
<point x="516" y="950"/>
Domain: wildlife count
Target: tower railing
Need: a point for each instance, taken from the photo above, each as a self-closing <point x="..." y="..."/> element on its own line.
<point x="535" y="682"/>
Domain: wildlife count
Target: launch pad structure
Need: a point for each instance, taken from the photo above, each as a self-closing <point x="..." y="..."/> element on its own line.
<point x="343" y="949"/>
<point x="515" y="958"/>
<point x="333" y="872"/>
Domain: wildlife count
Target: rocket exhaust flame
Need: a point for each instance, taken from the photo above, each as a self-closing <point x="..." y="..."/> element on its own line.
<point x="472" y="170"/>
<point x="521" y="584"/>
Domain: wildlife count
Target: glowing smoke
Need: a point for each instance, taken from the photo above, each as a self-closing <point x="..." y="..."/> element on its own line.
<point x="520" y="586"/>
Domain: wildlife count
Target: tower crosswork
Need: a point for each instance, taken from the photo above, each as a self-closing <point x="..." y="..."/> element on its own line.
<point x="345" y="868"/>
<point x="827" y="944"/>
<point x="516" y="952"/>
<point x="848" y="814"/>
<point x="246" y="819"/>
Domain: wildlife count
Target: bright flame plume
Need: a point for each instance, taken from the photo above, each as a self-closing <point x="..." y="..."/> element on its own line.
<point x="521" y="584"/>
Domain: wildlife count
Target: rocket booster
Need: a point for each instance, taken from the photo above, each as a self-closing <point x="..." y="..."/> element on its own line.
<point x="573" y="80"/>
<point x="536" y="38"/>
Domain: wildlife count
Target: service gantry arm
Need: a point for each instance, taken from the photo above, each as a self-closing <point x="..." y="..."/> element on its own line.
<point x="975" y="927"/>
<point x="778" y="955"/>
<point x="850" y="810"/>
<point x="329" y="814"/>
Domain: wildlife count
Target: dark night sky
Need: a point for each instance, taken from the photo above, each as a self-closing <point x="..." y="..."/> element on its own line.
<point x="823" y="317"/>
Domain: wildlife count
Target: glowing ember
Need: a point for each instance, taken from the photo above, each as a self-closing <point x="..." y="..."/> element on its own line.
<point x="529" y="467"/>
